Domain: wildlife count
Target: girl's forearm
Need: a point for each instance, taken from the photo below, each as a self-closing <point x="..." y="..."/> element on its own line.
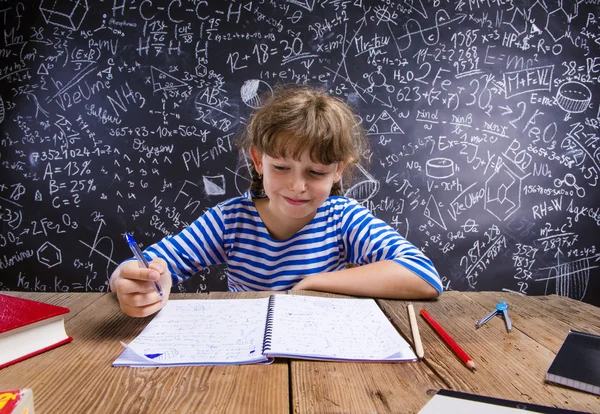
<point x="385" y="279"/>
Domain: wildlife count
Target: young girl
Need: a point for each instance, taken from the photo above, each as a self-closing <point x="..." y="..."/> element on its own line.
<point x="293" y="229"/>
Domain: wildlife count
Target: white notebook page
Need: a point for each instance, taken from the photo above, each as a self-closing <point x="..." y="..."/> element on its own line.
<point x="189" y="332"/>
<point x="335" y="328"/>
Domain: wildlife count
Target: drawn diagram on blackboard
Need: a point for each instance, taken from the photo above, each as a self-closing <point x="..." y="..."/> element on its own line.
<point x="518" y="21"/>
<point x="377" y="80"/>
<point x="573" y="97"/>
<point x="537" y="14"/>
<point x="571" y="278"/>
<point x="49" y="255"/>
<point x="241" y="174"/>
<point x="67" y="14"/>
<point x="43" y="69"/>
<point x="163" y="81"/>
<point x="503" y="193"/>
<point x="570" y="181"/>
<point x="365" y="189"/>
<point x="384" y="125"/>
<point x="442" y="18"/>
<point x="432" y="212"/>
<point x="214" y="184"/>
<point x="163" y="110"/>
<point x="253" y="90"/>
<point x="201" y="69"/>
<point x="439" y="168"/>
<point x="384" y="15"/>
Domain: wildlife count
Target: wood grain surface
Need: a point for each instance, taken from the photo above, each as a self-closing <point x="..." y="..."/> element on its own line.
<point x="354" y="387"/>
<point x="509" y="365"/>
<point x="78" y="377"/>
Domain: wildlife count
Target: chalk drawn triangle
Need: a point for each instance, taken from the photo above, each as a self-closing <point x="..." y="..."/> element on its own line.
<point x="385" y="124"/>
<point x="42" y="70"/>
<point x="214" y="185"/>
<point x="535" y="29"/>
<point x="163" y="81"/>
<point x="432" y="212"/>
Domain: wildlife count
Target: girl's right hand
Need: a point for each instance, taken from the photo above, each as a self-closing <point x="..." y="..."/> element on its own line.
<point x="135" y="289"/>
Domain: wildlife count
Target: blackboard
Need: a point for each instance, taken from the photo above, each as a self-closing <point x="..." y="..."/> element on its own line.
<point x="121" y="116"/>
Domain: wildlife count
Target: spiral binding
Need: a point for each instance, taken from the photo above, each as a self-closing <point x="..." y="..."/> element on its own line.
<point x="269" y="327"/>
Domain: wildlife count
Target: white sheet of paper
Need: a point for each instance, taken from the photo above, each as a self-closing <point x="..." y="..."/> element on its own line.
<point x="327" y="328"/>
<point x="193" y="332"/>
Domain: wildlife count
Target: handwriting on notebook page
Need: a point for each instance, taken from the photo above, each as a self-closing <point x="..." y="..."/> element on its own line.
<point x="322" y="326"/>
<point x="187" y="330"/>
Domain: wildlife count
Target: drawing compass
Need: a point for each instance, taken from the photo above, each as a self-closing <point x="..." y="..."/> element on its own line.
<point x="501" y="309"/>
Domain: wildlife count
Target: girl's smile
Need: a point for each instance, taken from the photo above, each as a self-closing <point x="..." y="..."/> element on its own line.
<point x="295" y="202"/>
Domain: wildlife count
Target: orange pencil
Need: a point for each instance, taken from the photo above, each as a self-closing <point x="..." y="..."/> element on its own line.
<point x="449" y="341"/>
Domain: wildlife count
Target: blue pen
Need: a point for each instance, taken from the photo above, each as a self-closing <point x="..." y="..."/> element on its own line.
<point x="137" y="252"/>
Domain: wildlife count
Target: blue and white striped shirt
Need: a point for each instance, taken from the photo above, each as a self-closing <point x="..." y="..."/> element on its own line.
<point x="342" y="232"/>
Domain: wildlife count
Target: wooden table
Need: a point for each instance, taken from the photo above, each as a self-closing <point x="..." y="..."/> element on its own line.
<point x="78" y="377"/>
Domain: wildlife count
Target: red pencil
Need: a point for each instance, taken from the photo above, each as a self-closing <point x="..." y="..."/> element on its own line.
<point x="449" y="341"/>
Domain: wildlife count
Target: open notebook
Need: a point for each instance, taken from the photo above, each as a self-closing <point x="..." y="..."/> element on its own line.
<point x="244" y="331"/>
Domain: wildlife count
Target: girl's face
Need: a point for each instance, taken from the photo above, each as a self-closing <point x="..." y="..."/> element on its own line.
<point x="296" y="189"/>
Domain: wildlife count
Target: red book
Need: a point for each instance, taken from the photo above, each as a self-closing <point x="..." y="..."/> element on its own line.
<point x="28" y="328"/>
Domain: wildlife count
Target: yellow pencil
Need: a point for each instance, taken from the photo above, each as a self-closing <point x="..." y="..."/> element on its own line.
<point x="415" y="331"/>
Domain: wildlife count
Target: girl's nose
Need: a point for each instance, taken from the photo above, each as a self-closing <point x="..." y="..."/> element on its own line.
<point x="297" y="184"/>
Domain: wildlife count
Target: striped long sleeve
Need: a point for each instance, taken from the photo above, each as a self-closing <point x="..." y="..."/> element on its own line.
<point x="233" y="233"/>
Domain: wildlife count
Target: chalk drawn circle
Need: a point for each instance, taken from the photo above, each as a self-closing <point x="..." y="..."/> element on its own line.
<point x="439" y="168"/>
<point x="558" y="182"/>
<point x="1" y="110"/>
<point x="252" y="90"/>
<point x="569" y="180"/>
<point x="573" y="97"/>
<point x="377" y="79"/>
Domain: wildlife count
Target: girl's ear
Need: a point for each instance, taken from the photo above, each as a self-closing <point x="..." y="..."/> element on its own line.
<point x="339" y="171"/>
<point x="256" y="159"/>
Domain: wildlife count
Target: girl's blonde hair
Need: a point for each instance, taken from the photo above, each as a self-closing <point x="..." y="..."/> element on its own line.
<point x="299" y="119"/>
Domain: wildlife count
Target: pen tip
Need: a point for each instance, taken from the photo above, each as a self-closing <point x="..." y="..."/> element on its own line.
<point x="128" y="238"/>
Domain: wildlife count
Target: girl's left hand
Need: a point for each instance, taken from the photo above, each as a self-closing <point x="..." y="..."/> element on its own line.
<point x="304" y="284"/>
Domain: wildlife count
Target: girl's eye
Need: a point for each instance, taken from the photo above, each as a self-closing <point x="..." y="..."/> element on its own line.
<point x="280" y="167"/>
<point x="318" y="173"/>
